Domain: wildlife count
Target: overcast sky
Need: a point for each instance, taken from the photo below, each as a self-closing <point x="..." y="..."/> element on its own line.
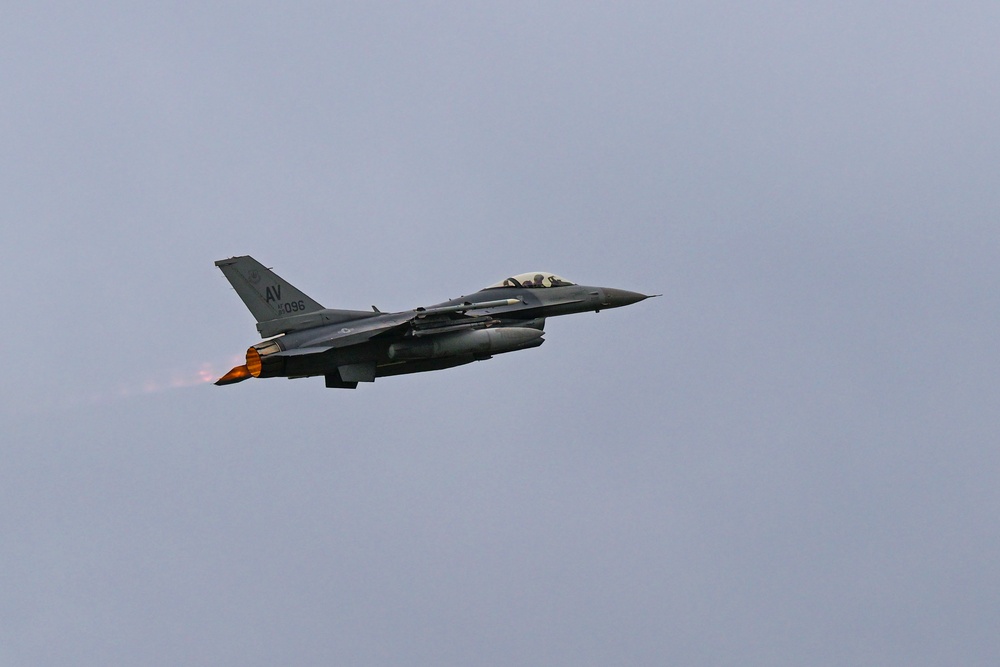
<point x="789" y="459"/>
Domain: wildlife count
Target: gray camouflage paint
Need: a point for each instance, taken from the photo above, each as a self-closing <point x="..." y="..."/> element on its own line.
<point x="348" y="347"/>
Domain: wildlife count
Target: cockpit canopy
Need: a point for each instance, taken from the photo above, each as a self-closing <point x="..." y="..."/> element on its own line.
<point x="534" y="279"/>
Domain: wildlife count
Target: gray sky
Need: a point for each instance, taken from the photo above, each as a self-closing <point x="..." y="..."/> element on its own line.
<point x="788" y="459"/>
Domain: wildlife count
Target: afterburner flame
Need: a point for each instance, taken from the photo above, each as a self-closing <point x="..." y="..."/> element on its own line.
<point x="161" y="382"/>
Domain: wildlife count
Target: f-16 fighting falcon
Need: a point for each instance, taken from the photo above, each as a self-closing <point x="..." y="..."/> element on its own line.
<point x="303" y="339"/>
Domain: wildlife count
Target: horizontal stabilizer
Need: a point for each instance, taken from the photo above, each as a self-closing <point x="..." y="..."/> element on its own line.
<point x="302" y="351"/>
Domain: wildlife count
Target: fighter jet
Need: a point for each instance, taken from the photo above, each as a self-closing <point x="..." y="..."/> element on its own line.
<point x="304" y="339"/>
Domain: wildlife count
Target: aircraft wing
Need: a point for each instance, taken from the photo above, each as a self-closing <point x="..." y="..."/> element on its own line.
<point x="358" y="331"/>
<point x="418" y="322"/>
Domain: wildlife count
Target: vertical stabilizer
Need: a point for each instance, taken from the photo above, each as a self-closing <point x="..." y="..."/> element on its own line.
<point x="266" y="294"/>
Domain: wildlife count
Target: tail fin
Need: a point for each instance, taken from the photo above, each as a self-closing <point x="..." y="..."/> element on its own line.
<point x="265" y="293"/>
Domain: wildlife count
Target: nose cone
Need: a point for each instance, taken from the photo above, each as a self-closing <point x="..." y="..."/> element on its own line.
<point x="615" y="298"/>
